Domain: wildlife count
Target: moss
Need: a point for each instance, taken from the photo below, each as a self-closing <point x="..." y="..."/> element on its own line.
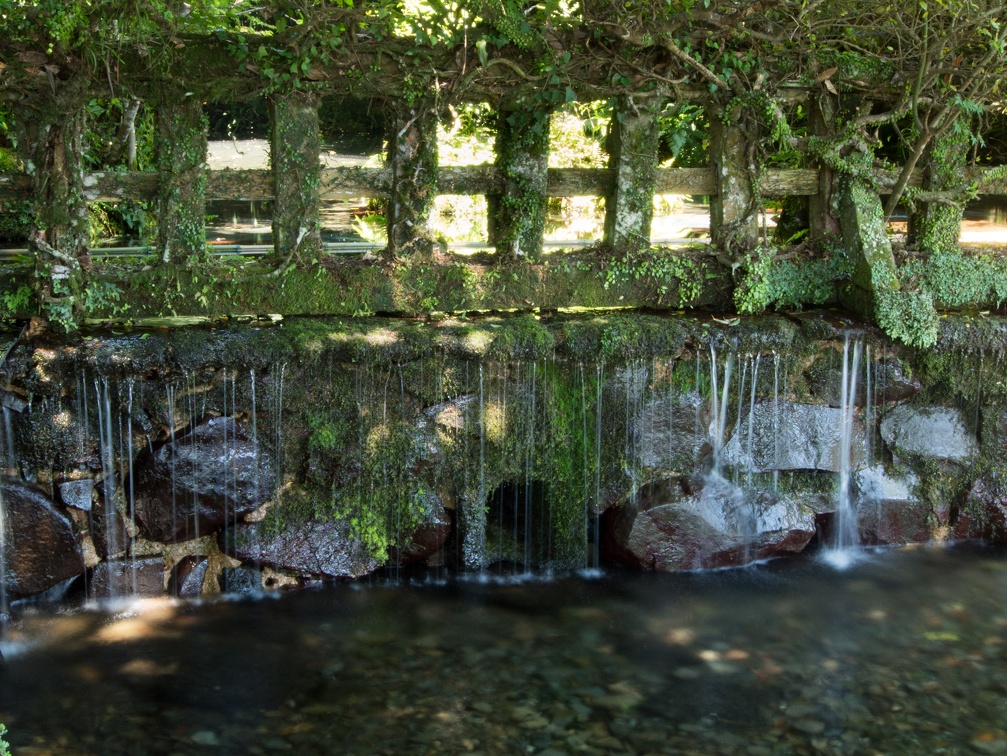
<point x="294" y="151"/>
<point x="936" y="227"/>
<point x="517" y="217"/>
<point x="633" y="141"/>
<point x="181" y="196"/>
<point x="522" y="339"/>
<point x="217" y="288"/>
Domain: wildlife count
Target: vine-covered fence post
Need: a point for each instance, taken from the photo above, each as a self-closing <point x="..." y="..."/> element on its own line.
<point x="294" y="147"/>
<point x="412" y="163"/>
<point x="181" y="162"/>
<point x="733" y="211"/>
<point x="936" y="226"/>
<point x="633" y="144"/>
<point x="517" y="217"/>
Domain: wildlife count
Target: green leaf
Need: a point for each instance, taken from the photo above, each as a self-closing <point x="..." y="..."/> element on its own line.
<point x="570" y="95"/>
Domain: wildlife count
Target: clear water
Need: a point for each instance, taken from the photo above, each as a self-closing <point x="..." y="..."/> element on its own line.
<point x="904" y="652"/>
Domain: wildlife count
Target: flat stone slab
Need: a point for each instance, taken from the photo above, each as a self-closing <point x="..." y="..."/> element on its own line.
<point x="934" y="432"/>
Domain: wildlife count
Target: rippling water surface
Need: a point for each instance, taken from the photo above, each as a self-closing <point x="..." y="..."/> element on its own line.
<point x="903" y="652"/>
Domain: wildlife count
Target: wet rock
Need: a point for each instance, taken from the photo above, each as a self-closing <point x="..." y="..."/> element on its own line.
<point x="984" y="514"/>
<point x="108" y="528"/>
<point x="718" y="526"/>
<point x="188" y="577"/>
<point x="41" y="549"/>
<point x="798" y="437"/>
<point x="201" y="481"/>
<point x="889" y="382"/>
<point x="887" y="512"/>
<point x="143" y="577"/>
<point x="431" y="536"/>
<point x="935" y="432"/>
<point x="77" y="493"/>
<point x="671" y="431"/>
<point x="456" y="414"/>
<point x="322" y="548"/>
<point x="13" y="401"/>
<point x="240" y="580"/>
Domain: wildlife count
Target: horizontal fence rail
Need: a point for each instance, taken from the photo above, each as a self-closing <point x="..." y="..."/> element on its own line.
<point x="352" y="183"/>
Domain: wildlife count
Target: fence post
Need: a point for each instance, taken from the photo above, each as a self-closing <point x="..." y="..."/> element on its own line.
<point x="294" y="147"/>
<point x="821" y="221"/>
<point x="517" y="217"/>
<point x="412" y="163"/>
<point x="734" y="223"/>
<point x="181" y="163"/>
<point x="632" y="147"/>
<point x="936" y="226"/>
<point x="865" y="238"/>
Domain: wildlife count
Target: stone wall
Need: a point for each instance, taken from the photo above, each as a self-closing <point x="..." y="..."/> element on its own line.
<point x="270" y="455"/>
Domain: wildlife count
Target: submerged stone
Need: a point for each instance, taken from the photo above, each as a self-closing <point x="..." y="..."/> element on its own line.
<point x="720" y="525"/>
<point x="935" y="432"/>
<point x="201" y="481"/>
<point x="41" y="550"/>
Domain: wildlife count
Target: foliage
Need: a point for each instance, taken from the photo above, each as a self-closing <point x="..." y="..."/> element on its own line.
<point x="670" y="271"/>
<point x="908" y="316"/>
<point x="766" y="280"/>
<point x="4" y="745"/>
<point x="14" y="302"/>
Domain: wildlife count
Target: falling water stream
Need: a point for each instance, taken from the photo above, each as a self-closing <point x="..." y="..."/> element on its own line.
<point x="843" y="551"/>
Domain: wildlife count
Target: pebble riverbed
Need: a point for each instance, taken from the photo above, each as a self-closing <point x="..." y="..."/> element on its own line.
<point x="903" y="652"/>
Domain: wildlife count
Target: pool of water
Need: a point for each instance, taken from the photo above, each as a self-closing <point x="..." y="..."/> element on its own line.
<point x="903" y="652"/>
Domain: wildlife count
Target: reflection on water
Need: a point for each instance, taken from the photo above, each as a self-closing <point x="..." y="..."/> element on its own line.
<point x="904" y="652"/>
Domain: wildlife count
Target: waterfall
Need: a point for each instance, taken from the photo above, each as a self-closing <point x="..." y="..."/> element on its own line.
<point x="719" y="421"/>
<point x="776" y="422"/>
<point x="846" y="535"/>
<point x="751" y="421"/>
<point x="129" y="503"/>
